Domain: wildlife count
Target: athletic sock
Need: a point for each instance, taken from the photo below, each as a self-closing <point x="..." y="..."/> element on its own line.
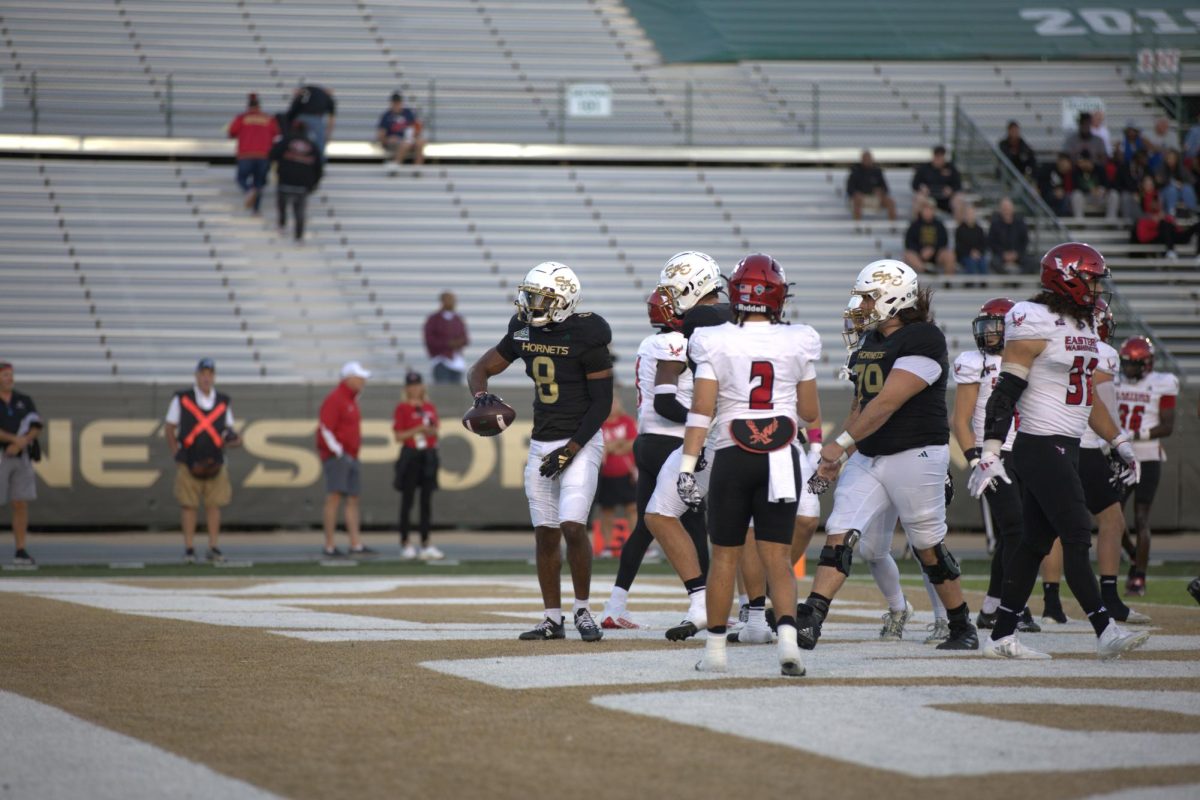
<point x="579" y="604"/>
<point x="716" y="630"/>
<point x="616" y="602"/>
<point x="694" y="585"/>
<point x="990" y="604"/>
<point x="959" y="617"/>
<point x="759" y="603"/>
<point x="1006" y="623"/>
<point x="554" y="615"/>
<point x="1050" y="596"/>
<point x="743" y="599"/>
<point x="788" y="621"/>
<point x="1099" y="619"/>
<point x="1108" y="593"/>
<point x="697" y="604"/>
<point x="887" y="578"/>
<point x="757" y="612"/>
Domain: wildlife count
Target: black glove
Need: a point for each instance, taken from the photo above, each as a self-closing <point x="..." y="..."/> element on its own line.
<point x="487" y="399"/>
<point x="949" y="488"/>
<point x="818" y="485"/>
<point x="689" y="492"/>
<point x="554" y="462"/>
<point x="1123" y="473"/>
<point x="701" y="462"/>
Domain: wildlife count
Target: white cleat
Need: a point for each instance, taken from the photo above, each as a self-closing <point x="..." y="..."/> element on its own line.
<point x="790" y="663"/>
<point x="894" y="622"/>
<point x="1136" y="618"/>
<point x="752" y="634"/>
<point x="939" y="631"/>
<point x="1010" y="647"/>
<point x="1116" y="641"/>
<point x="714" y="656"/>
<point x="431" y="553"/>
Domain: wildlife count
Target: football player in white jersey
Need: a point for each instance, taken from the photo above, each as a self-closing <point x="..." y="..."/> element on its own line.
<point x="1146" y="408"/>
<point x="759" y="378"/>
<point x="1049" y="357"/>
<point x="899" y="431"/>
<point x="688" y="281"/>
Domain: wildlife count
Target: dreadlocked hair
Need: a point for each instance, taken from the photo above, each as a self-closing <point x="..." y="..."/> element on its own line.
<point x="921" y="311"/>
<point x="1064" y="306"/>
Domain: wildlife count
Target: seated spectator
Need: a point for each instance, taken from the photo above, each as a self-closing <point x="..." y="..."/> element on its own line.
<point x="1100" y="130"/>
<point x="970" y="244"/>
<point x="1176" y="182"/>
<point x="1159" y="140"/>
<point x="1091" y="191"/>
<point x="1018" y="151"/>
<point x="866" y="184"/>
<point x="926" y="243"/>
<point x="1055" y="183"/>
<point x="1155" y="227"/>
<point x="1129" y="180"/>
<point x="940" y="182"/>
<point x="399" y="131"/>
<point x="255" y="132"/>
<point x="1191" y="146"/>
<point x="1132" y="141"/>
<point x="1008" y="240"/>
<point x="1084" y="141"/>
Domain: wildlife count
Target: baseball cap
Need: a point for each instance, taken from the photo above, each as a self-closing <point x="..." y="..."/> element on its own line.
<point x="411" y="377"/>
<point x="5" y="365"/>
<point x="252" y="99"/>
<point x="353" y="369"/>
<point x="206" y="363"/>
<point x="396" y="96"/>
<point x="1131" y="123"/>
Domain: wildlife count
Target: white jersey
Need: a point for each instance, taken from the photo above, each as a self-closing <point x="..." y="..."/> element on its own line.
<point x="1058" y="401"/>
<point x="972" y="366"/>
<point x="757" y="365"/>
<point x="1139" y="407"/>
<point x="1109" y="362"/>
<point x="669" y="346"/>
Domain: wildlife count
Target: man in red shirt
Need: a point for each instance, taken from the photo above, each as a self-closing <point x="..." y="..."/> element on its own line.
<point x="617" y="485"/>
<point x="339" y="437"/>
<point x="254" y="131"/>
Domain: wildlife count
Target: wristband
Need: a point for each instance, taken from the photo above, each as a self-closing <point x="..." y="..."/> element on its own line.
<point x="666" y="388"/>
<point x="973" y="454"/>
<point x="992" y="446"/>
<point x="844" y="440"/>
<point x="971" y="462"/>
<point x="843" y="458"/>
<point x="695" y="420"/>
<point x="687" y="463"/>
<point x="813" y="435"/>
<point x="1120" y="439"/>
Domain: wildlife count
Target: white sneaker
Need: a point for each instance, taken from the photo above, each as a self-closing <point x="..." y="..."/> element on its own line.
<point x="894" y="622"/>
<point x="1010" y="647"/>
<point x="752" y="634"/>
<point x="1136" y="618"/>
<point x="408" y="553"/>
<point x="790" y="663"/>
<point x="1115" y="641"/>
<point x="939" y="631"/>
<point x="714" y="655"/>
<point x="431" y="553"/>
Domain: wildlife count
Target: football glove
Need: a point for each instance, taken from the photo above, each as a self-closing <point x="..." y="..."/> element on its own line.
<point x="818" y="485"/>
<point x="987" y="471"/>
<point x="1123" y="461"/>
<point x="486" y="399"/>
<point x="689" y="492"/>
<point x="949" y="488"/>
<point x="554" y="462"/>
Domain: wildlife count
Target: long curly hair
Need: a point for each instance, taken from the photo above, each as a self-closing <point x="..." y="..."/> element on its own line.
<point x="1064" y="306"/>
<point x="922" y="311"/>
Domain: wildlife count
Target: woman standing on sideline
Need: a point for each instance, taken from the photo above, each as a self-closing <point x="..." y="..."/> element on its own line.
<point x="415" y="425"/>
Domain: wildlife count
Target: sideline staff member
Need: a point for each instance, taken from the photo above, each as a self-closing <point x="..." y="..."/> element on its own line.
<point x="415" y="425"/>
<point x="19" y="429"/>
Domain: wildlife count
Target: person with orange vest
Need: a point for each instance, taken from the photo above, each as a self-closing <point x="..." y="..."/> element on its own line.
<point x="199" y="426"/>
<point x="255" y="131"/>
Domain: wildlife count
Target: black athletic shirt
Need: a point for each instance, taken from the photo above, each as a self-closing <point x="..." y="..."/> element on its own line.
<point x="921" y="421"/>
<point x="559" y="358"/>
<point x="705" y="316"/>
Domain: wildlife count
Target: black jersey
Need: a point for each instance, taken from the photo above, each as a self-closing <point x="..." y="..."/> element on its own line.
<point x="559" y="357"/>
<point x="703" y="316"/>
<point x="921" y="421"/>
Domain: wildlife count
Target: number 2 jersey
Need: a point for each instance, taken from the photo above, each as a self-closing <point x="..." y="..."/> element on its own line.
<point x="559" y="357"/>
<point x="1058" y="400"/>
<point x="1139" y="407"/>
<point x="757" y="366"/>
<point x="1109" y="361"/>
<point x="919" y="348"/>
<point x="973" y="366"/>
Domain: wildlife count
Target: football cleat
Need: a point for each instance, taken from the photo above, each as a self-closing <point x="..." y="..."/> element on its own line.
<point x="1025" y="623"/>
<point x="751" y="634"/>
<point x="23" y="559"/>
<point x="431" y="553"/>
<point x="1135" y="586"/>
<point x="585" y="623"/>
<point x="621" y="622"/>
<point x="545" y="630"/>
<point x="1010" y="647"/>
<point x="894" y="622"/>
<point x="1194" y="589"/>
<point x="939" y="631"/>
<point x="1054" y="616"/>
<point x="684" y="630"/>
<point x="714" y="656"/>
<point x="962" y="637"/>
<point x="1115" y="641"/>
<point x="189" y="556"/>
<point x="808" y="626"/>
<point x="1133" y="617"/>
<point x="790" y="663"/>
<point x="215" y="555"/>
<point x="985" y="621"/>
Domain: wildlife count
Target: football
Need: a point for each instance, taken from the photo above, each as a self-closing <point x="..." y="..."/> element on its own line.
<point x="490" y="419"/>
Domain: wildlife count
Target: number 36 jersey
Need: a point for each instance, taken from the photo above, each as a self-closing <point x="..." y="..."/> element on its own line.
<point x="757" y="366"/>
<point x="559" y="358"/>
<point x="1139" y="406"/>
<point x="1059" y="399"/>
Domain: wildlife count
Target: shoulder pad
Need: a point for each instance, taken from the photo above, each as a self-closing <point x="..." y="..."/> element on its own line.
<point x="968" y="367"/>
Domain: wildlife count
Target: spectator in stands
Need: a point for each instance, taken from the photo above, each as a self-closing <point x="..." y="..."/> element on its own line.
<point x="1131" y="140"/>
<point x="20" y="426"/>
<point x="399" y="131"/>
<point x="1176" y="182"/>
<point x="1155" y="227"/>
<point x="339" y="437"/>
<point x="445" y="338"/>
<point x="926" y="243"/>
<point x="617" y="488"/>
<point x="299" y="173"/>
<point x="867" y="184"/>
<point x="1191" y="146"/>
<point x="1017" y="150"/>
<point x="415" y="425"/>
<point x="1008" y="240"/>
<point x="940" y="182"/>
<point x="1131" y="177"/>
<point x="315" y="107"/>
<point x="199" y="426"/>
<point x="1084" y="141"/>
<point x="1100" y="130"/>
<point x="1056" y="182"/>
<point x="970" y="243"/>
<point x="1091" y="192"/>
<point x="1159" y="139"/>
<point x="255" y="132"/>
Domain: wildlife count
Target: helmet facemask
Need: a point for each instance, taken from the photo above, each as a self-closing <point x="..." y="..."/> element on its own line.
<point x="857" y="320"/>
<point x="989" y="334"/>
<point x="536" y="305"/>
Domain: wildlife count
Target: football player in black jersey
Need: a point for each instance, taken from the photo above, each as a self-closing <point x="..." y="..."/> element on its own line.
<point x="898" y="427"/>
<point x="567" y="356"/>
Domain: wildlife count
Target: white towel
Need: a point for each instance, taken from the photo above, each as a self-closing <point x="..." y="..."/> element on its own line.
<point x="783" y="476"/>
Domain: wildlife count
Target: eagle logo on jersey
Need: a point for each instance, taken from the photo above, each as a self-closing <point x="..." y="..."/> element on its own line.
<point x="675" y="351"/>
<point x="762" y="437"/>
<point x="1018" y="319"/>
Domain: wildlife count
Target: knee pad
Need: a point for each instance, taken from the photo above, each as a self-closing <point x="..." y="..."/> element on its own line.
<point x="946" y="568"/>
<point x="841" y="556"/>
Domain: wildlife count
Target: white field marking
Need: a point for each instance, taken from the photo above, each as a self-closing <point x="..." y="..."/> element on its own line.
<point x="878" y="726"/>
<point x="50" y="754"/>
<point x="1183" y="792"/>
<point x="432" y="634"/>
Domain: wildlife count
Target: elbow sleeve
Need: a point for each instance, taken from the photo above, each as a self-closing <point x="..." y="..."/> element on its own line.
<point x="601" y="391"/>
<point x="667" y="406"/>
<point x="1002" y="405"/>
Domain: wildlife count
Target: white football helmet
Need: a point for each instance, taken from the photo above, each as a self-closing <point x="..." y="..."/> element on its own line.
<point x="891" y="284"/>
<point x="687" y="277"/>
<point x="548" y="294"/>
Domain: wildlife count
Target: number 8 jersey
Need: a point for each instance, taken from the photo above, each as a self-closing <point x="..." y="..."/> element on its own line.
<point x="1059" y="399"/>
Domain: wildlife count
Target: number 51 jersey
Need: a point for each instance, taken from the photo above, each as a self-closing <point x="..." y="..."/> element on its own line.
<point x="757" y="366"/>
<point x="1059" y="399"/>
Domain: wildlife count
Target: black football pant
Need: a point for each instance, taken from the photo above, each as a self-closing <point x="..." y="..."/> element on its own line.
<point x="297" y="198"/>
<point x="1004" y="509"/>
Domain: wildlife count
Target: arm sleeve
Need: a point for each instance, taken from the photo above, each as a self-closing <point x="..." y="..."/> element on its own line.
<point x="667" y="405"/>
<point x="172" y="417"/>
<point x="601" y="392"/>
<point x="923" y="367"/>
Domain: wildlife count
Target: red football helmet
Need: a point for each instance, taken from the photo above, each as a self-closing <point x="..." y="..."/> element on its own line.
<point x="990" y="325"/>
<point x="1106" y="325"/>
<point x="661" y="309"/>
<point x="1137" y="357"/>
<point x="1071" y="270"/>
<point x="758" y="286"/>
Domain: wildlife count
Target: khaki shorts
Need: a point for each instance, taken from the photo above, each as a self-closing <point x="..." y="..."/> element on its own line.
<point x="215" y="492"/>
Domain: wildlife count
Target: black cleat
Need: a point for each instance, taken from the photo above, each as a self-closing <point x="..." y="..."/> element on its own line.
<point x="684" y="630"/>
<point x="962" y="637"/>
<point x="1194" y="589"/>
<point x="1026" y="623"/>
<point x="546" y="629"/>
<point x="808" y="626"/>
<point x="589" y="631"/>
<point x="985" y="621"/>
<point x="23" y="559"/>
<point x="771" y="619"/>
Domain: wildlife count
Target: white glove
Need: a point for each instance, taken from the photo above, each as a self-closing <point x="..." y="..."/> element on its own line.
<point x="814" y="455"/>
<point x="1124" y="451"/>
<point x="989" y="469"/>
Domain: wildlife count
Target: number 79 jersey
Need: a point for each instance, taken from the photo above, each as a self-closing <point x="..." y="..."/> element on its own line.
<point x="757" y="366"/>
<point x="1059" y="399"/>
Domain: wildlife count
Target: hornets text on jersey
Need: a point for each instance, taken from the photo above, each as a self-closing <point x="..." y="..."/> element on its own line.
<point x="559" y="358"/>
